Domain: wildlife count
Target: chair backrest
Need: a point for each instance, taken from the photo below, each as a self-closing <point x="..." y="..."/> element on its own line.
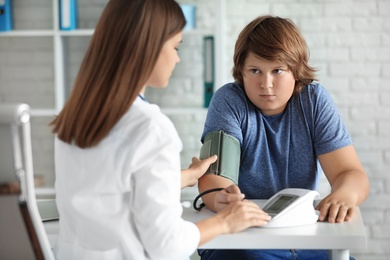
<point x="22" y="234"/>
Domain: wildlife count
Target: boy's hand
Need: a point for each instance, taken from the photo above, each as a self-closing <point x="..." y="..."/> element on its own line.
<point x="337" y="207"/>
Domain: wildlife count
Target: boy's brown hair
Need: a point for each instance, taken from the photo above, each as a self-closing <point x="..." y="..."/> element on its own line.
<point x="275" y="39"/>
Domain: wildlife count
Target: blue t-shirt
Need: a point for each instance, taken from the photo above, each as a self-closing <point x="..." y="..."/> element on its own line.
<point x="279" y="151"/>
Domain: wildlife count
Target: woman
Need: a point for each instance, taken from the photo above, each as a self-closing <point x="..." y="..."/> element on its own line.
<point x="117" y="156"/>
<point x="286" y="123"/>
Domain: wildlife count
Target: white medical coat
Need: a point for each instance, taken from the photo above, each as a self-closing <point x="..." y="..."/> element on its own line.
<point x="121" y="198"/>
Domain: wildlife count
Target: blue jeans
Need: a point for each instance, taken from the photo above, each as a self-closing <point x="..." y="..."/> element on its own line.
<point x="207" y="254"/>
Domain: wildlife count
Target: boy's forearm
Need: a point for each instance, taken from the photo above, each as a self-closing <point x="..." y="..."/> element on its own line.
<point x="354" y="181"/>
<point x="210" y="181"/>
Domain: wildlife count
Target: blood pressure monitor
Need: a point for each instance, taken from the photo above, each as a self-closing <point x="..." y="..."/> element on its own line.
<point x="291" y="207"/>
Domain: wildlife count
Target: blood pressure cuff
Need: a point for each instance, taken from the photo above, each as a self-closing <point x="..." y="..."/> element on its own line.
<point x="228" y="150"/>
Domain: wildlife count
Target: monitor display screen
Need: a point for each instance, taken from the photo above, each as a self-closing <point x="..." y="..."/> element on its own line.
<point x="280" y="203"/>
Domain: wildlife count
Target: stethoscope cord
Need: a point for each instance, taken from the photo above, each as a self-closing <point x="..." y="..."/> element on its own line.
<point x="200" y="195"/>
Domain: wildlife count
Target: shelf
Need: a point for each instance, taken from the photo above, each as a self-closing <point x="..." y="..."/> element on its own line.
<point x="43" y="112"/>
<point x="167" y="111"/>
<point x="197" y="32"/>
<point x="49" y="33"/>
<point x="27" y="33"/>
<point x="44" y="191"/>
<point x="183" y="110"/>
<point x="77" y="32"/>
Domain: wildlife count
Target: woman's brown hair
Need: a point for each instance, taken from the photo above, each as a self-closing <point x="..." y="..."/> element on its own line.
<point x="275" y="39"/>
<point x="120" y="58"/>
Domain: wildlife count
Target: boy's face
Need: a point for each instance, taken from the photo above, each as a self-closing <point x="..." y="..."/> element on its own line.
<point x="268" y="84"/>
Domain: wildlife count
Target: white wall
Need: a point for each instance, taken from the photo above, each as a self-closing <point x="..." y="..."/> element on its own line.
<point x="349" y="42"/>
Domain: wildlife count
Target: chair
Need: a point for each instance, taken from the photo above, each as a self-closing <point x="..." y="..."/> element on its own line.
<point x="22" y="234"/>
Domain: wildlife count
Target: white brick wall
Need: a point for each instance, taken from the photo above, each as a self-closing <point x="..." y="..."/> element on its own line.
<point x="349" y="42"/>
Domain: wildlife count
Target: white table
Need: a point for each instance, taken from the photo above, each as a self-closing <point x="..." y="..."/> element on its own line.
<point x="338" y="238"/>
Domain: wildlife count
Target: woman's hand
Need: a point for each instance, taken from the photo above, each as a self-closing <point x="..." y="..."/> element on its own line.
<point x="226" y="196"/>
<point x="235" y="217"/>
<point x="190" y="176"/>
<point x="240" y="215"/>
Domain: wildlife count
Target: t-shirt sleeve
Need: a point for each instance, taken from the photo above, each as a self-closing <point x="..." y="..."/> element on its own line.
<point x="330" y="132"/>
<point x="226" y="111"/>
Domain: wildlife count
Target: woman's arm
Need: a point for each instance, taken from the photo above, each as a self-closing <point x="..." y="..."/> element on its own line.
<point x="349" y="182"/>
<point x="233" y="215"/>
<point x="233" y="212"/>
<point x="233" y="218"/>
